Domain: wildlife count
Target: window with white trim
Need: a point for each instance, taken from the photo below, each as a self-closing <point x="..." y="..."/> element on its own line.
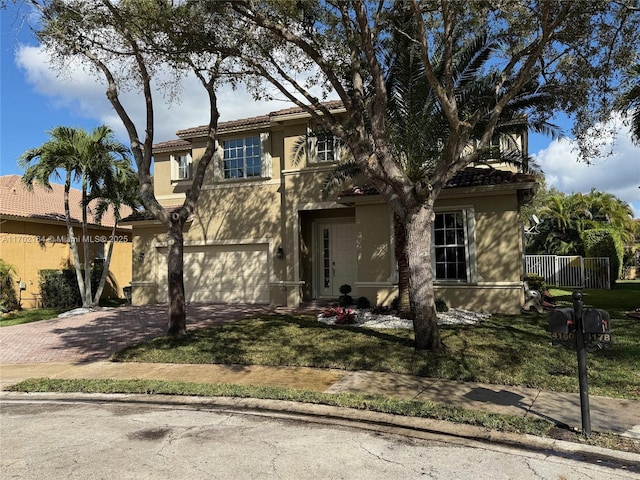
<point x="181" y="166"/>
<point x="451" y="246"/>
<point x="323" y="146"/>
<point x="242" y="158"/>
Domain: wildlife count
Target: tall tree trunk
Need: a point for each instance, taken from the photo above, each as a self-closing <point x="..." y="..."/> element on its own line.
<point x="400" y="237"/>
<point x="105" y="267"/>
<point x="175" y="263"/>
<point x="72" y="238"/>
<point x="423" y="309"/>
<point x="86" y="241"/>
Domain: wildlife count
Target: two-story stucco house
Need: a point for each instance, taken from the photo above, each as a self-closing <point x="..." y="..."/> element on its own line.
<point x="263" y="233"/>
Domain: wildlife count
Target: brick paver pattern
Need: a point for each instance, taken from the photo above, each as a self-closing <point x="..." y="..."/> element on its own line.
<point x="97" y="335"/>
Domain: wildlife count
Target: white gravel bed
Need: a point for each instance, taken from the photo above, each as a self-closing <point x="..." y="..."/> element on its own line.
<point x="364" y="318"/>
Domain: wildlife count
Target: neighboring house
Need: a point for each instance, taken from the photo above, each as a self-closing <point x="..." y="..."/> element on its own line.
<point x="263" y="233"/>
<point x="33" y="237"/>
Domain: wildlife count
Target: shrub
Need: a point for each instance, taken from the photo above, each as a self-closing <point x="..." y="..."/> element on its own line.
<point x="344" y="316"/>
<point x="345" y="299"/>
<point x="59" y="288"/>
<point x="8" y="299"/>
<point x="363" y="302"/>
<point x="441" y="305"/>
<point x="605" y="243"/>
<point x="536" y="282"/>
<point x="381" y="310"/>
<point x="395" y="304"/>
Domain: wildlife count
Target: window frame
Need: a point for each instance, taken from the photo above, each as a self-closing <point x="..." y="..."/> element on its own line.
<point x="264" y="157"/>
<point x="468" y="243"/>
<point x="177" y="168"/>
<point x="243" y="157"/>
<point x="317" y="136"/>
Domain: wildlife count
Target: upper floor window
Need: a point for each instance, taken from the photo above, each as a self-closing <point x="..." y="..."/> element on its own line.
<point x="181" y="166"/>
<point x="242" y="158"/>
<point x="323" y="147"/>
<point x="451" y="246"/>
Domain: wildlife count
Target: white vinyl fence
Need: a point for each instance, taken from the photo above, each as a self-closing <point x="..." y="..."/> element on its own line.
<point x="572" y="272"/>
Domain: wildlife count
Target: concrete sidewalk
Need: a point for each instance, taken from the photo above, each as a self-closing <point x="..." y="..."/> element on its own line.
<point x="618" y="416"/>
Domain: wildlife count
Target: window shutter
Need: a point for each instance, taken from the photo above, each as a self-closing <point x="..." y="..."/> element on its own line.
<point x="312" y="146"/>
<point x="265" y="155"/>
<point x="218" y="157"/>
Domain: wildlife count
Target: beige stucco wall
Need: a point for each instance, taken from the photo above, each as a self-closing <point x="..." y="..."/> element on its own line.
<point x="283" y="209"/>
<point x="30" y="247"/>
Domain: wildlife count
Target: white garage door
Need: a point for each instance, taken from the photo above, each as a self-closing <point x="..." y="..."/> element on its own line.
<point x="226" y="274"/>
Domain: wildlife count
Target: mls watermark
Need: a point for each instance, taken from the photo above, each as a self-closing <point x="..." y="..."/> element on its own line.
<point x="64" y="239"/>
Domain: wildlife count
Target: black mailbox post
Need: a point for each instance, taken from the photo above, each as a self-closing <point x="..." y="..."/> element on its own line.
<point x="579" y="325"/>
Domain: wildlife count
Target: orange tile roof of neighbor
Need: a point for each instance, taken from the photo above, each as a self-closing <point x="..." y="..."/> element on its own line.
<point x="44" y="204"/>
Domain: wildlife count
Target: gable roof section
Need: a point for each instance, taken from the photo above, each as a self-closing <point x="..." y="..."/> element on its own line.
<point x="466" y="178"/>
<point x="146" y="215"/>
<point x="230" y="126"/>
<point x="43" y="204"/>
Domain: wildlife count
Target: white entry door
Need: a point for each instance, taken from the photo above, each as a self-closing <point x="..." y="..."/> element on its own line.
<point x="336" y="257"/>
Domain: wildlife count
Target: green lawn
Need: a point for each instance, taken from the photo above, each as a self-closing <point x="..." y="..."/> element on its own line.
<point x="28" y="316"/>
<point x="36" y="314"/>
<point x="507" y="350"/>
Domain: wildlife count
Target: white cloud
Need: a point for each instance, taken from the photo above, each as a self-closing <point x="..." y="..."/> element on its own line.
<point x="84" y="93"/>
<point x="617" y="173"/>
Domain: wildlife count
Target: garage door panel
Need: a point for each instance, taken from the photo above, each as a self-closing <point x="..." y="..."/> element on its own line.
<point x="227" y="274"/>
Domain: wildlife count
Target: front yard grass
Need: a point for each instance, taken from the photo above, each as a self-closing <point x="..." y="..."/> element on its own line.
<point x="504" y="350"/>
<point x="27" y="316"/>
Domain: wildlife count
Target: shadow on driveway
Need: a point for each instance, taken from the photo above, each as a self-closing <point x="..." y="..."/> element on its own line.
<point x="97" y="335"/>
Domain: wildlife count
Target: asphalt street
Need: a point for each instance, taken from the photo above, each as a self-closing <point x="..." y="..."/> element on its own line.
<point x="95" y="439"/>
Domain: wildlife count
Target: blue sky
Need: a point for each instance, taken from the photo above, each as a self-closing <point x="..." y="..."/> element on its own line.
<point x="34" y="98"/>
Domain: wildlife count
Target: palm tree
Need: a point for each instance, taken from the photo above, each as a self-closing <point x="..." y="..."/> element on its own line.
<point x="120" y="188"/>
<point x="564" y="220"/>
<point x="88" y="158"/>
<point x="606" y="209"/>
<point x="629" y="102"/>
<point x="418" y="126"/>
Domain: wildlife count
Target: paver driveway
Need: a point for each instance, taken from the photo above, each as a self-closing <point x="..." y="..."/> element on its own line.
<point x="97" y="335"/>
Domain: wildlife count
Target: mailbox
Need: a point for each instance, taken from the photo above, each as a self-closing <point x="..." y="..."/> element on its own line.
<point x="595" y="320"/>
<point x="561" y="320"/>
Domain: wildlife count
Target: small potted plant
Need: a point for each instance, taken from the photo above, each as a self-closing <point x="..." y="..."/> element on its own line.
<point x="345" y="299"/>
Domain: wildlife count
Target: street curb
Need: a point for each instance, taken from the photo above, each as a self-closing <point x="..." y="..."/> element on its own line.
<point x="414" y="427"/>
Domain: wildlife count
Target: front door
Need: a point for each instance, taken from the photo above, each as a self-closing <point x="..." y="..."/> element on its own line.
<point x="336" y="257"/>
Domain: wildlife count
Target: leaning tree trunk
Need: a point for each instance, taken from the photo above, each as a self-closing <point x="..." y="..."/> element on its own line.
<point x="175" y="263"/>
<point x="72" y="239"/>
<point x="423" y="309"/>
<point x="400" y="238"/>
<point x="105" y="267"/>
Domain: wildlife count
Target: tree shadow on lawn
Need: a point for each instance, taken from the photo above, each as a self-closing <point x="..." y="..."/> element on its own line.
<point x="475" y="352"/>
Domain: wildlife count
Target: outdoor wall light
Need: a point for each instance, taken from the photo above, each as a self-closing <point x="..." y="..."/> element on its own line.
<point x="280" y="253"/>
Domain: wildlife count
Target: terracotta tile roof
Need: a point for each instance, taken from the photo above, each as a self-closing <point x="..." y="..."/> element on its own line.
<point x="44" y="204"/>
<point x="246" y="122"/>
<point x="223" y="126"/>
<point x="171" y="145"/>
<point x="468" y="177"/>
<point x="144" y="215"/>
<point x="476" y="177"/>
